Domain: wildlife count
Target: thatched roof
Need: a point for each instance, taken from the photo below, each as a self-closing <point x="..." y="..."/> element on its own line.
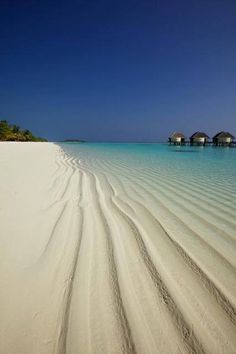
<point x="177" y="135"/>
<point x="223" y="135"/>
<point x="199" y="135"/>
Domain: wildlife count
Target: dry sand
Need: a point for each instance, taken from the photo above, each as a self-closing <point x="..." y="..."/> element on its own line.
<point x="87" y="267"/>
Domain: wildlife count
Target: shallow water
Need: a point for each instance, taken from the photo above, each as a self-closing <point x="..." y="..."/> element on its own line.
<point x="200" y="181"/>
<point x="169" y="216"/>
<point x="204" y="166"/>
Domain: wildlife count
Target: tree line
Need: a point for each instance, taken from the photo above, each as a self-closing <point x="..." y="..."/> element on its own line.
<point x="10" y="132"/>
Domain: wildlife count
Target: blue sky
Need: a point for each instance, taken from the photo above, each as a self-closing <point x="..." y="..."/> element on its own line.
<point x="118" y="70"/>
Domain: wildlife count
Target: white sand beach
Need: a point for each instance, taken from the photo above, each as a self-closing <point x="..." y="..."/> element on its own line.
<point x="89" y="264"/>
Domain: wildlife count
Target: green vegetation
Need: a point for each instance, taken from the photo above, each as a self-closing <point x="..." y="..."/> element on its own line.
<point x="14" y="133"/>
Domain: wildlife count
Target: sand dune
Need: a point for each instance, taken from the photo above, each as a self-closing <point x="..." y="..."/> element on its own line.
<point x="97" y="257"/>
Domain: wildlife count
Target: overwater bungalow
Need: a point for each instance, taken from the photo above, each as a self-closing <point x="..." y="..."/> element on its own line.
<point x="177" y="138"/>
<point x="223" y="139"/>
<point x="199" y="138"/>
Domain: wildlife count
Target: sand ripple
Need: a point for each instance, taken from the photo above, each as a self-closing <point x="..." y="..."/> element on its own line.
<point x="132" y="261"/>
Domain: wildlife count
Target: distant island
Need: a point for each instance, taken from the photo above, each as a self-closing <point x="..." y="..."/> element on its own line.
<point x="73" y="141"/>
<point x="10" y="132"/>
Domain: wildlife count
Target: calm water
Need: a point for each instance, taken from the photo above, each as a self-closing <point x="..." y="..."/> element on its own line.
<point x="209" y="165"/>
<point x="175" y="207"/>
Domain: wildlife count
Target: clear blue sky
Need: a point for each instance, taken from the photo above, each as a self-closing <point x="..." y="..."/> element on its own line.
<point x="118" y="70"/>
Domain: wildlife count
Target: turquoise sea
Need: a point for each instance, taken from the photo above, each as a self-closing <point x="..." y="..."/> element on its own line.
<point x="194" y="187"/>
<point x="202" y="165"/>
<point x="159" y="232"/>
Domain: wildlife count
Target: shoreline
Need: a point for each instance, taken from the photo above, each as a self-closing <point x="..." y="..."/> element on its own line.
<point x="90" y="264"/>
